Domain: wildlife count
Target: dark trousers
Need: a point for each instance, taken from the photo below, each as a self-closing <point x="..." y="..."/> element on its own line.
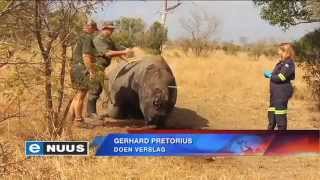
<point x="93" y="96"/>
<point x="277" y="115"/>
<point x="97" y="87"/>
<point x="279" y="98"/>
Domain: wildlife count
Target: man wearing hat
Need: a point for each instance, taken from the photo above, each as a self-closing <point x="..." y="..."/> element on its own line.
<point x="108" y="49"/>
<point x="83" y="69"/>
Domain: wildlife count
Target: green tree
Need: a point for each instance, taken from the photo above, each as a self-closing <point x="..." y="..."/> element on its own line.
<point x="309" y="51"/>
<point x="130" y="31"/>
<point x="309" y="46"/>
<point x="155" y="37"/>
<point x="14" y="15"/>
<point x="286" y="13"/>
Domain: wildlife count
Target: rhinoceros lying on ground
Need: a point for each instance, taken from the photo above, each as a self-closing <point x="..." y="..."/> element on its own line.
<point x="145" y="88"/>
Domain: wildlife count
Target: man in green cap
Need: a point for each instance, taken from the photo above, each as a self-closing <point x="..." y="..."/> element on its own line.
<point x="83" y="70"/>
<point x="107" y="49"/>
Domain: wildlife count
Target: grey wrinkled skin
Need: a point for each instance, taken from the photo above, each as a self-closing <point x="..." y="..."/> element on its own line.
<point x="141" y="89"/>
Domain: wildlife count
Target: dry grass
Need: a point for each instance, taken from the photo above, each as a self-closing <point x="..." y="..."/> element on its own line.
<point x="224" y="92"/>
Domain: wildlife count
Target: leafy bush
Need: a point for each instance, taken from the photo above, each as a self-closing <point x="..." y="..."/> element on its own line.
<point x="230" y="48"/>
<point x="308" y="50"/>
<point x="197" y="47"/>
<point x="262" y="48"/>
<point x="130" y="31"/>
<point x="154" y="38"/>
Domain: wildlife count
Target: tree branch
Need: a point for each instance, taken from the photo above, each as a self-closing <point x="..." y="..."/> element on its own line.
<point x="10" y="116"/>
<point x="37" y="24"/>
<point x="17" y="63"/>
<point x="306" y="22"/>
<point x="8" y="8"/>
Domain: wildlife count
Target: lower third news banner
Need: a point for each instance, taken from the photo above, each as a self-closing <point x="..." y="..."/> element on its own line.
<point x="208" y="143"/>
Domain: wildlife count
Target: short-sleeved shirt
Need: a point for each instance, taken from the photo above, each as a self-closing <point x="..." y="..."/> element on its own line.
<point x="84" y="45"/>
<point x="103" y="45"/>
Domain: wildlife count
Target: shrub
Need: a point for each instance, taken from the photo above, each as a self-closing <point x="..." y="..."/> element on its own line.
<point x="308" y="51"/>
<point x="262" y="48"/>
<point x="230" y="48"/>
<point x="154" y="38"/>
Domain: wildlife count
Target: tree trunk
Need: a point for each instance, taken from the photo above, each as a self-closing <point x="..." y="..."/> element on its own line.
<point x="62" y="76"/>
<point x="50" y="115"/>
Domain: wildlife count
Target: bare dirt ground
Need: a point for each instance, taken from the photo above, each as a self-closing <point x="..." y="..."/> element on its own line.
<point x="220" y="92"/>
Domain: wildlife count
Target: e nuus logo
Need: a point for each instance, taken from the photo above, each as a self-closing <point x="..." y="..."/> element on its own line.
<point x="52" y="148"/>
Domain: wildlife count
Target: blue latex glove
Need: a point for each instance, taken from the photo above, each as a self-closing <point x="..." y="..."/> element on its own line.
<point x="267" y="74"/>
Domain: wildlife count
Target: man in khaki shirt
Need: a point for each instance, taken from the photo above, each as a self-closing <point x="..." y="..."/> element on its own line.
<point x="106" y="49"/>
<point x="83" y="69"/>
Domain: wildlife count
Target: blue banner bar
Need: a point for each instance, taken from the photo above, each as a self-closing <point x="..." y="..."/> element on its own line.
<point x="215" y="143"/>
<point x="176" y="144"/>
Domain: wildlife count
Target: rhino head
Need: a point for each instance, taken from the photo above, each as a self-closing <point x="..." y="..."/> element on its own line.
<point x="158" y="95"/>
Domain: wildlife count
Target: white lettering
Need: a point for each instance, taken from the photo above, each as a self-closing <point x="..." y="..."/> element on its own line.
<point x="60" y="148"/>
<point x="131" y="140"/>
<point x="171" y="140"/>
<point x="81" y="148"/>
<point x="122" y="149"/>
<point x="34" y="148"/>
<point x="150" y="149"/>
<point x="70" y="148"/>
<point x="51" y="148"/>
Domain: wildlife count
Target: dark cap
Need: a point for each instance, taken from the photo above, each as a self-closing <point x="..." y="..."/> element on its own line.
<point x="108" y="25"/>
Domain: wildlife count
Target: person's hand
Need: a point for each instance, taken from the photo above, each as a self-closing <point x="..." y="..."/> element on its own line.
<point x="129" y="52"/>
<point x="106" y="55"/>
<point x="267" y="74"/>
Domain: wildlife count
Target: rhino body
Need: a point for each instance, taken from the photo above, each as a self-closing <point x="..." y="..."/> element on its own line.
<point x="145" y="88"/>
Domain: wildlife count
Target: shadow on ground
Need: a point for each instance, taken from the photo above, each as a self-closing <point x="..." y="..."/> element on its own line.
<point x="182" y="118"/>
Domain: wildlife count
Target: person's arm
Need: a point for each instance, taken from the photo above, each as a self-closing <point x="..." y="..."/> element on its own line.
<point x="89" y="62"/>
<point x="286" y="71"/>
<point x="89" y="55"/>
<point x="119" y="47"/>
<point x="106" y="49"/>
<point x="117" y="50"/>
<point x="111" y="53"/>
